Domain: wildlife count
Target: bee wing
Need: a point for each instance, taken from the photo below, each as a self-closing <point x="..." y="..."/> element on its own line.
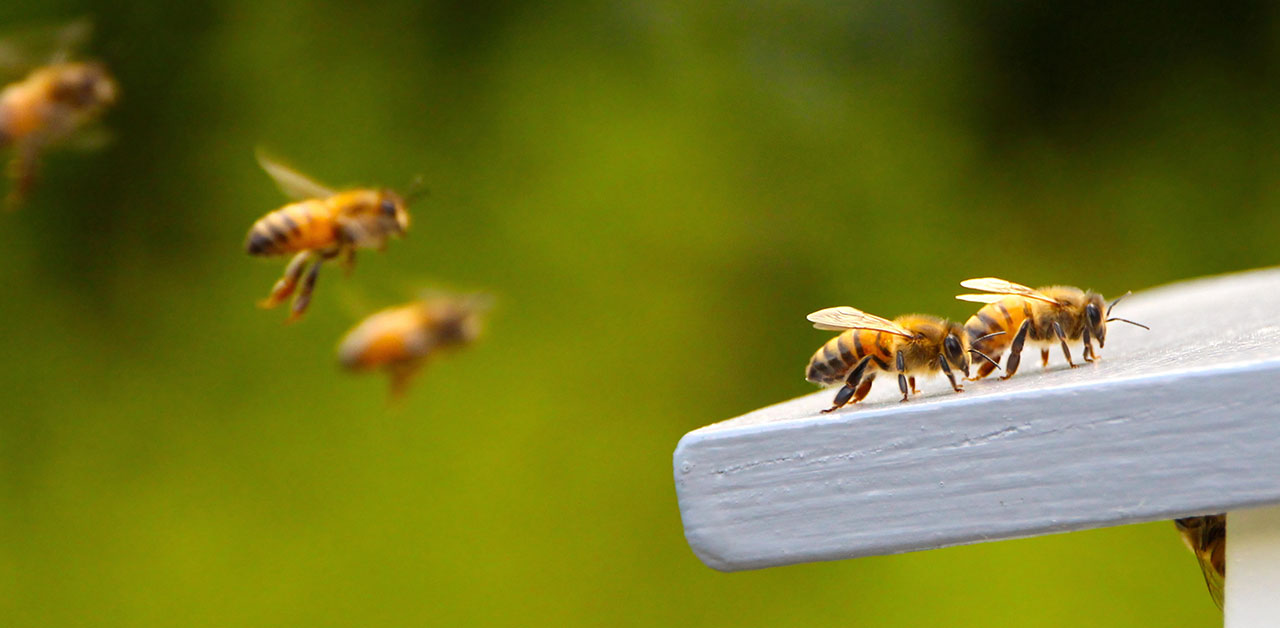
<point x="1001" y="287"/>
<point x="294" y="184"/>
<point x="1212" y="579"/>
<point x="844" y="317"/>
<point x="25" y="49"/>
<point x="980" y="298"/>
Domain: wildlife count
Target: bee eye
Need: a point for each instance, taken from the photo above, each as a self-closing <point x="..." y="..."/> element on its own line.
<point x="389" y="207"/>
<point x="1095" y="317"/>
<point x="952" y="346"/>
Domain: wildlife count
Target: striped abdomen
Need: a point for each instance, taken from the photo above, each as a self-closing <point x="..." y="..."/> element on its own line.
<point x="1004" y="315"/>
<point x="292" y="228"/>
<point x="832" y="362"/>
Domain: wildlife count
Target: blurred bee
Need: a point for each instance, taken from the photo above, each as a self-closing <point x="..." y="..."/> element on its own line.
<point x="1063" y="313"/>
<point x="401" y="339"/>
<point x="50" y="104"/>
<point x="1206" y="537"/>
<point x="908" y="345"/>
<point x="321" y="225"/>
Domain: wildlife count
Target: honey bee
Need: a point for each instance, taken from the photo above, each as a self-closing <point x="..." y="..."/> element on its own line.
<point x="909" y="345"/>
<point x="1206" y="537"/>
<point x="49" y="105"/>
<point x="401" y="339"/>
<point x="1060" y="313"/>
<point x="322" y="224"/>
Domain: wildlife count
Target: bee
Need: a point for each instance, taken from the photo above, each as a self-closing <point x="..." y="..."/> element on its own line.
<point x="321" y="225"/>
<point x="1206" y="537"/>
<point x="1063" y="313"/>
<point x="49" y="105"/>
<point x="402" y="339"/>
<point x="909" y="345"/>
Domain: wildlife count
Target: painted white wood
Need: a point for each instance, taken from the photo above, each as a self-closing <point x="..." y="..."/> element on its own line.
<point x="1181" y="420"/>
<point x="1253" y="569"/>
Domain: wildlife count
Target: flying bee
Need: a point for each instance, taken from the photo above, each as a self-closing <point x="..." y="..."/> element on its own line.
<point x="50" y="104"/>
<point x="1206" y="537"/>
<point x="402" y="339"/>
<point x="321" y="225"/>
<point x="909" y="345"/>
<point x="1060" y="313"/>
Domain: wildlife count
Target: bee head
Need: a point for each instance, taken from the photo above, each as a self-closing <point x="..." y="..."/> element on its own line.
<point x="85" y="86"/>
<point x="392" y="212"/>
<point x="955" y="348"/>
<point x="1093" y="309"/>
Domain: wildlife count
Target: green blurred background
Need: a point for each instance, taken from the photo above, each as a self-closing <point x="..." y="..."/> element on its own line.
<point x="658" y="192"/>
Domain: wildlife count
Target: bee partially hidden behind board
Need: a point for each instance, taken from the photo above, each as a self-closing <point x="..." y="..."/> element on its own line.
<point x="402" y="339"/>
<point x="1206" y="537"/>
<point x="54" y="103"/>
<point x="909" y="346"/>
<point x="1047" y="316"/>
<point x="321" y="225"/>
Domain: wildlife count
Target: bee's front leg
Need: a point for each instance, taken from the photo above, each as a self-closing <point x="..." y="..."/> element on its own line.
<point x="1089" y="355"/>
<point x="1062" y="337"/>
<point x="285" y="285"/>
<point x="902" y="377"/>
<point x="946" y="368"/>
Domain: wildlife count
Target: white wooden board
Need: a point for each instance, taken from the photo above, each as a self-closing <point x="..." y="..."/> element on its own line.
<point x="1181" y="420"/>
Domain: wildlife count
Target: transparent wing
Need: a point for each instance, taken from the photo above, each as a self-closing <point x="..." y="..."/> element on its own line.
<point x="980" y="298"/>
<point x="844" y="317"/>
<point x="24" y="49"/>
<point x="1212" y="579"/>
<point x="1001" y="286"/>
<point x="294" y="184"/>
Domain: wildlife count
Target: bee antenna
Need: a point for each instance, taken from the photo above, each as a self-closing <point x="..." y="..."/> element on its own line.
<point x="990" y="335"/>
<point x="417" y="189"/>
<point x="1113" y="303"/>
<point x="1125" y="320"/>
<point x="986" y="357"/>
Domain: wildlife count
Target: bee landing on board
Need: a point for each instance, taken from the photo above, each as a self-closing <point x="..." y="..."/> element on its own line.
<point x="1206" y="537"/>
<point x="908" y="346"/>
<point x="402" y="339"/>
<point x="321" y="225"/>
<point x="1055" y="314"/>
<point x="50" y="104"/>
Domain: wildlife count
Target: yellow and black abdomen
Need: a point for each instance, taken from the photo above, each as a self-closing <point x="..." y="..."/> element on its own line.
<point x="832" y="362"/>
<point x="297" y="227"/>
<point x="1004" y="315"/>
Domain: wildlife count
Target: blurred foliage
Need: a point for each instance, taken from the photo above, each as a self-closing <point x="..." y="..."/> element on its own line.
<point x="657" y="191"/>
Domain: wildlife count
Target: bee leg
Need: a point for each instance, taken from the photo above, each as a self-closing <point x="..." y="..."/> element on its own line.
<point x="348" y="260"/>
<point x="851" y="387"/>
<point x="1062" y="337"/>
<point x="1015" y="350"/>
<point x="22" y="169"/>
<point x="864" y="388"/>
<point x="285" y="285"/>
<point x="902" y="378"/>
<point x="984" y="370"/>
<point x="303" y="299"/>
<point x="911" y="381"/>
<point x="946" y="368"/>
<point x="400" y="374"/>
<point x="1088" y="346"/>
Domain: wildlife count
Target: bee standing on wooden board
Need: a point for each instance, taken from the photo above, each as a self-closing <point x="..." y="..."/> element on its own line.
<point x="908" y="345"/>
<point x="402" y="339"/>
<point x="321" y="225"/>
<point x="50" y="105"/>
<point x="1206" y="537"/>
<point x="1054" y="314"/>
